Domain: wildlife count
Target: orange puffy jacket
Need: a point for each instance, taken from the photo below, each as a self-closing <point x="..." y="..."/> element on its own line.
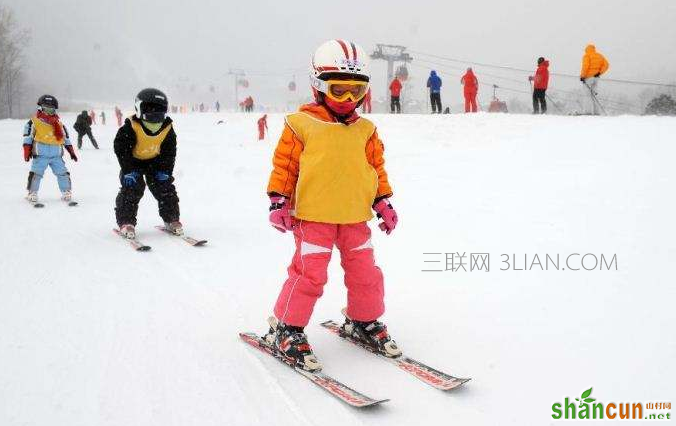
<point x="593" y="63"/>
<point x="286" y="160"/>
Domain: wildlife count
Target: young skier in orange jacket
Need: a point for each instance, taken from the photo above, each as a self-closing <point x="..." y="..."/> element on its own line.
<point x="328" y="175"/>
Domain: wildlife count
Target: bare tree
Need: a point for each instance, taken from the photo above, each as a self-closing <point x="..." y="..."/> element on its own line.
<point x="13" y="41"/>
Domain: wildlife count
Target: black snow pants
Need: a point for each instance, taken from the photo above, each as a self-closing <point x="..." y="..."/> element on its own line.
<point x="126" y="203"/>
<point x="395" y="105"/>
<point x="539" y="101"/>
<point x="89" y="134"/>
<point x="435" y="99"/>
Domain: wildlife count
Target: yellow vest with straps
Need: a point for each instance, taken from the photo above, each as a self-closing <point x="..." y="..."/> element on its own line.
<point x="336" y="183"/>
<point x="44" y="133"/>
<point x="147" y="146"/>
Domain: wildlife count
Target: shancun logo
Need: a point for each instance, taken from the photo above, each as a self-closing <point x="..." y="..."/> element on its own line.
<point x="585" y="398"/>
<point x="587" y="407"/>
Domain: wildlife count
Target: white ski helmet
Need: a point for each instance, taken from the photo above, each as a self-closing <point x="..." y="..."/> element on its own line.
<point x="339" y="57"/>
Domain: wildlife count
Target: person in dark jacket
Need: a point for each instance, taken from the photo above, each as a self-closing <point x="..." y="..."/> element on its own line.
<point x="540" y="83"/>
<point x="83" y="126"/>
<point x="434" y="84"/>
<point x="145" y="147"/>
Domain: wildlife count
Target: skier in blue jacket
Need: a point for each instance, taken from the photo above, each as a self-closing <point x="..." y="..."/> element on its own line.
<point x="434" y="84"/>
<point x="44" y="140"/>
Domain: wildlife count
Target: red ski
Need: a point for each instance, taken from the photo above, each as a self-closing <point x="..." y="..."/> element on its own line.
<point x="329" y="384"/>
<point x="190" y="240"/>
<point x="427" y="374"/>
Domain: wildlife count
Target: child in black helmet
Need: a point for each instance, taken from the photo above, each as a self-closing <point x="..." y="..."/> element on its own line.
<point x="44" y="140"/>
<point x="146" y="150"/>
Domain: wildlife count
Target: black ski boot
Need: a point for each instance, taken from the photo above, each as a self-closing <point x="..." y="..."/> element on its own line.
<point x="292" y="343"/>
<point x="373" y="334"/>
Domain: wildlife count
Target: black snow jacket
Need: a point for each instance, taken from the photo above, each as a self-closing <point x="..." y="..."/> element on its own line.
<point x="125" y="140"/>
<point x="83" y="122"/>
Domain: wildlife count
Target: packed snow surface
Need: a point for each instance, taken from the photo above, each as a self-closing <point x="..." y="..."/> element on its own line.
<point x="93" y="333"/>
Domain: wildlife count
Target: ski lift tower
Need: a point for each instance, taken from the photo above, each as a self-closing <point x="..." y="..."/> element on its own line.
<point x="237" y="74"/>
<point x="391" y="54"/>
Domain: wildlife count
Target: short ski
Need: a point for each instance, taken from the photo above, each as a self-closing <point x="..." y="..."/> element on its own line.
<point x="134" y="242"/>
<point x="39" y="205"/>
<point x="190" y="240"/>
<point x="329" y="384"/>
<point x="429" y="375"/>
<point x="36" y="203"/>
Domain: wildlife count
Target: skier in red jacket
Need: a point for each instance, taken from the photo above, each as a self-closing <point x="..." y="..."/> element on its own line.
<point x="118" y="115"/>
<point x="395" y="92"/>
<point x="471" y="84"/>
<point x="262" y="127"/>
<point x="540" y="83"/>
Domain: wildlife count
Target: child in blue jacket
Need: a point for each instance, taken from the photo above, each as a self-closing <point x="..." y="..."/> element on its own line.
<point x="44" y="139"/>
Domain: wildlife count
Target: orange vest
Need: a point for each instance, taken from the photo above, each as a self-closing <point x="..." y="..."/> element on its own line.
<point x="336" y="183"/>
<point x="44" y="133"/>
<point x="147" y="146"/>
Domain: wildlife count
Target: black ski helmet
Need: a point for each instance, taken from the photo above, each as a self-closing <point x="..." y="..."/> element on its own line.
<point x="48" y="101"/>
<point x="540" y="60"/>
<point x="151" y="105"/>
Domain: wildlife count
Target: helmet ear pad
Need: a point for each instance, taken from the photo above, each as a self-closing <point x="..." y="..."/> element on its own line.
<point x="319" y="96"/>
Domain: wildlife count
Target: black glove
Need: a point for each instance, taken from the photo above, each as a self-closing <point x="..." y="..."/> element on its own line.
<point x="582" y="79"/>
<point x="71" y="151"/>
<point x="598" y="74"/>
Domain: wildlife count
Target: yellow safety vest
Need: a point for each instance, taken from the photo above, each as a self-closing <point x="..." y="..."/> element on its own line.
<point x="44" y="133"/>
<point x="336" y="183"/>
<point x="147" y="146"/>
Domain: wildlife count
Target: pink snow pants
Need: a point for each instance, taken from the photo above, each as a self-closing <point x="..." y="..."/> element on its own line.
<point x="307" y="273"/>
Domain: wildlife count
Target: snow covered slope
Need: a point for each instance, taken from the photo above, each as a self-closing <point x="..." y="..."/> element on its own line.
<point x="93" y="333"/>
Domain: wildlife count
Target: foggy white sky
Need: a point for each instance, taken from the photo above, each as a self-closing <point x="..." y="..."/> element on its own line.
<point x="108" y="50"/>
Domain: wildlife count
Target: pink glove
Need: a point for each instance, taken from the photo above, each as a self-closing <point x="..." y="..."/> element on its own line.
<point x="280" y="213"/>
<point x="386" y="212"/>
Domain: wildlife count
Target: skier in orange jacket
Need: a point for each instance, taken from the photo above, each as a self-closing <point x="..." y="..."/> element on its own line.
<point x="594" y="65"/>
<point x="328" y="175"/>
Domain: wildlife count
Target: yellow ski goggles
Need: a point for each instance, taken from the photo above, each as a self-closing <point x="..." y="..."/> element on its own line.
<point x="342" y="90"/>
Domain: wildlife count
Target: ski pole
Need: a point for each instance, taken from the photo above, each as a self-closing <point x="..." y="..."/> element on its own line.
<point x="553" y="102"/>
<point x="595" y="99"/>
